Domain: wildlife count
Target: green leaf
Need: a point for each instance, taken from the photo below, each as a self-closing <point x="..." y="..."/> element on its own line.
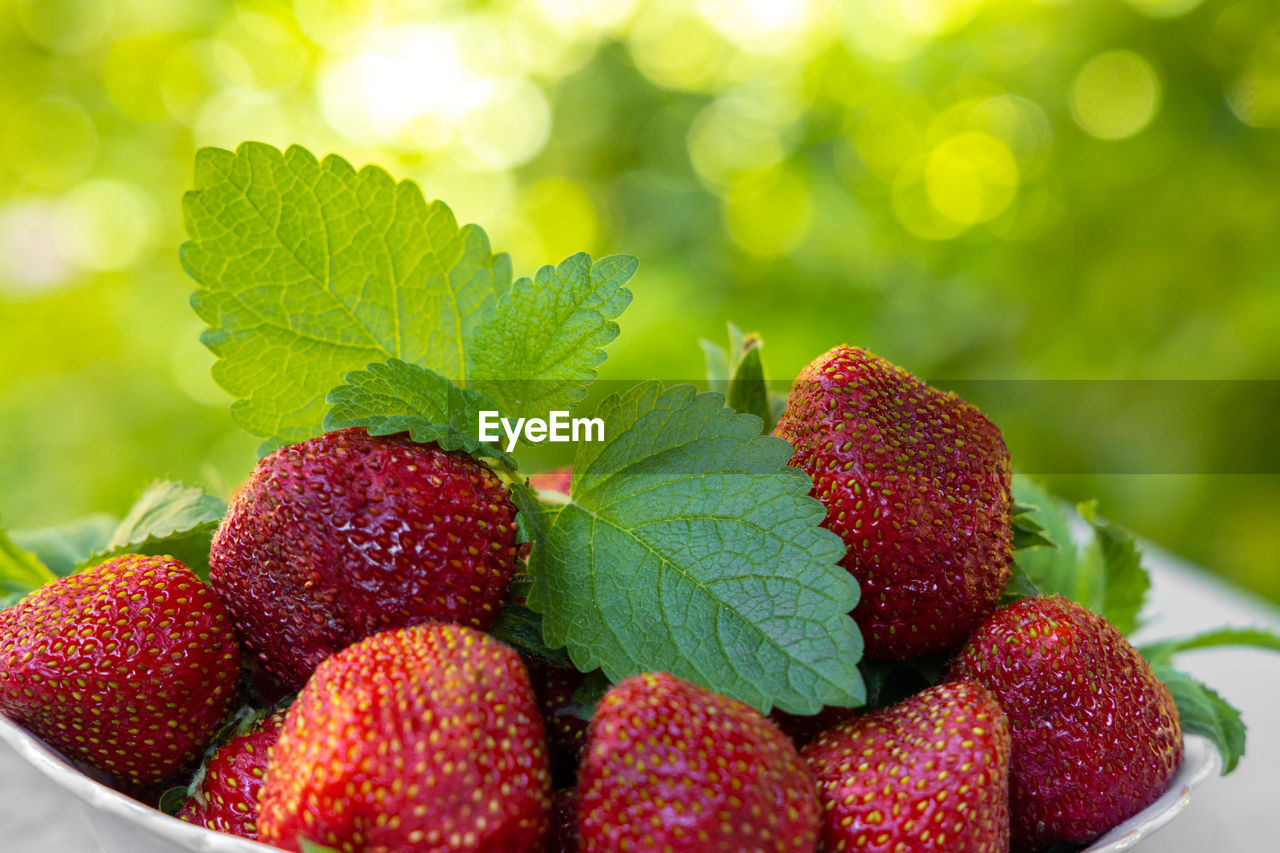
<point x="65" y="546"/>
<point x="1027" y="532"/>
<point x="1019" y="586"/>
<point x="1124" y="579"/>
<point x="308" y="846"/>
<point x="20" y="571"/>
<point x="172" y="800"/>
<point x="521" y="628"/>
<point x="1259" y="638"/>
<point x="588" y="695"/>
<point x="168" y="518"/>
<point x="395" y="396"/>
<point x="1051" y="570"/>
<point x="748" y="392"/>
<point x="539" y="349"/>
<point x="717" y="366"/>
<point x="308" y="270"/>
<point x="1204" y="712"/>
<point x="738" y="373"/>
<point x="690" y="546"/>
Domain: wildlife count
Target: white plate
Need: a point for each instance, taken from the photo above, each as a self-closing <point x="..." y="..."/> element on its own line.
<point x="124" y="825"/>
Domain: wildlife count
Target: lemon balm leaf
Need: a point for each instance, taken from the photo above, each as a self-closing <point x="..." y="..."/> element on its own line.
<point x="310" y="269"/>
<point x="689" y="545"/>
<point x="540" y="348"/>
<point x="395" y="396"/>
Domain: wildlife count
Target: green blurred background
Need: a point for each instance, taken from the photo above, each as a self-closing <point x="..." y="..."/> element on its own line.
<point x="1008" y="189"/>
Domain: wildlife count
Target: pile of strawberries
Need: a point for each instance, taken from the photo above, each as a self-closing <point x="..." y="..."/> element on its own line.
<point x="363" y="573"/>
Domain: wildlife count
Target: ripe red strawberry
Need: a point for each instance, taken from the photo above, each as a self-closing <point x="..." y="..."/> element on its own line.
<point x="917" y="484"/>
<point x="1096" y="736"/>
<point x="930" y="773"/>
<point x="424" y="738"/>
<point x="344" y="535"/>
<point x="128" y="666"/>
<point x="671" y="766"/>
<point x="225" y="795"/>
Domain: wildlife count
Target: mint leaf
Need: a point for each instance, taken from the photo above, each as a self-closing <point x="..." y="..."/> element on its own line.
<point x="539" y="349"/>
<point x="688" y="545"/>
<point x="309" y="269"/>
<point x="20" y="572"/>
<point x="1124" y="580"/>
<point x="395" y="396"/>
<point x="168" y="518"/>
<point x="1259" y="638"/>
<point x="65" y="546"/>
<point x="1204" y="712"/>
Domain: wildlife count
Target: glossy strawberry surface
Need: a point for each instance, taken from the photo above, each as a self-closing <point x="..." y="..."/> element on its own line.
<point x="225" y="798"/>
<point x="928" y="774"/>
<point x="425" y="738"/>
<point x="128" y="666"/>
<point x="342" y="536"/>
<point x="917" y="484"/>
<point x="672" y="766"/>
<point x="1096" y="737"/>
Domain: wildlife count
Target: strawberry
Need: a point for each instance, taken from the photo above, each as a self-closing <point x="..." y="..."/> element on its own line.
<point x="671" y="766"/>
<point x="224" y="796"/>
<point x="344" y="535"/>
<point x="424" y="738"/>
<point x="128" y="666"/>
<point x="930" y="773"/>
<point x="917" y="484"/>
<point x="1096" y="736"/>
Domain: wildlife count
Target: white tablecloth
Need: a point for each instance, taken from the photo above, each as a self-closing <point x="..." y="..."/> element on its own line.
<point x="1238" y="813"/>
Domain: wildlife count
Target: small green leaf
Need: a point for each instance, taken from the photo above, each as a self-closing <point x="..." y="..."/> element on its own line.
<point x="1259" y="638"/>
<point x="748" y="392"/>
<point x="168" y="518"/>
<point x="395" y="396"/>
<point x="1124" y="579"/>
<point x="20" y="571"/>
<point x="1027" y="532"/>
<point x="738" y="373"/>
<point x="690" y="546"/>
<point x="1204" y="712"/>
<point x="521" y="628"/>
<point x="308" y="846"/>
<point x="539" y="349"/>
<point x="65" y="546"/>
<point x="172" y="800"/>
<point x="717" y="366"/>
<point x="588" y="695"/>
<point x="1051" y="570"/>
<point x="310" y="269"/>
<point x="1019" y="586"/>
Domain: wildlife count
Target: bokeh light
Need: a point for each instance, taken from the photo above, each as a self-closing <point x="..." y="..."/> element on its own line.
<point x="1115" y="95"/>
